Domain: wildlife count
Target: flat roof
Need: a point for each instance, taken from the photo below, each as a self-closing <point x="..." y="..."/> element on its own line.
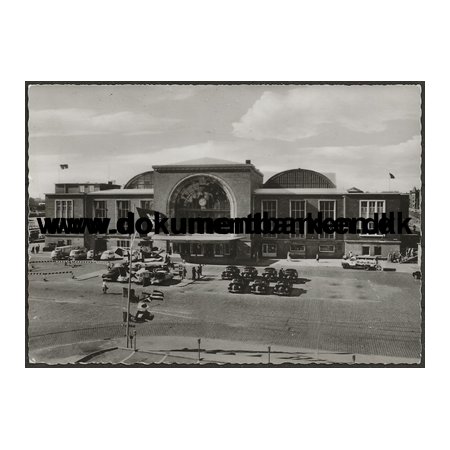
<point x="113" y="192"/>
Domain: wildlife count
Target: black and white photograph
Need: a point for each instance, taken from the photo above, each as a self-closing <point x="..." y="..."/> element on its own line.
<point x="225" y="224"/>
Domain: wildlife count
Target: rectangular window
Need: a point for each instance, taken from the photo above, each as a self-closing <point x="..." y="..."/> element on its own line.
<point x="123" y="207"/>
<point x="377" y="250"/>
<point x="176" y="247"/>
<point x="297" y="211"/>
<point x="147" y="204"/>
<point x="100" y="208"/>
<point x="123" y="243"/>
<point x="269" y="207"/>
<point x="269" y="250"/>
<point x="328" y="210"/>
<point x="196" y="249"/>
<point x="365" y="250"/>
<point x="63" y="209"/>
<point x="297" y="248"/>
<point x="221" y="249"/>
<point x="368" y="208"/>
<point x="326" y="248"/>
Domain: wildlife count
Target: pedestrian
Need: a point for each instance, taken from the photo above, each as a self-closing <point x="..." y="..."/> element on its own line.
<point x="281" y="274"/>
<point x="184" y="272"/>
<point x="180" y="271"/>
<point x="350" y="255"/>
<point x="104" y="287"/>
<point x="194" y="273"/>
<point x="317" y="257"/>
<point x="37" y="248"/>
<point x="32" y="249"/>
<point x="199" y="271"/>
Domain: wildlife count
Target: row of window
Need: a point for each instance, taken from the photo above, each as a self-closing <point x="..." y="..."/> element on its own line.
<point x="64" y="208"/>
<point x="196" y="249"/>
<point x="270" y="250"/>
<point x="297" y="209"/>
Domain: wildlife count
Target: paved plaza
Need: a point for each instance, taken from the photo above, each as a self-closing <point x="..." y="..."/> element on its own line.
<point x="333" y="315"/>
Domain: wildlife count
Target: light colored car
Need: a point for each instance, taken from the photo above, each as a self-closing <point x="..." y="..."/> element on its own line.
<point x="109" y="255"/>
<point x="78" y="254"/>
<point x="361" y="262"/>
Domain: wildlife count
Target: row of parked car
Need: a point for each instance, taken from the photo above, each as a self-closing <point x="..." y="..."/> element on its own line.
<point x="141" y="273"/>
<point x="248" y="280"/>
<point x="269" y="274"/>
<point x="78" y="254"/>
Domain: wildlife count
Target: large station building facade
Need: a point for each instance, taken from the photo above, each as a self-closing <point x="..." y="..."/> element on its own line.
<point x="215" y="188"/>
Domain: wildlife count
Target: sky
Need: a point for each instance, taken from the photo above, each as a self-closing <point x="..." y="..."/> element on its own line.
<point x="360" y="133"/>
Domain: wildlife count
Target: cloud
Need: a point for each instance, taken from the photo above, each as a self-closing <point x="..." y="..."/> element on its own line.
<point x="86" y="122"/>
<point x="305" y="112"/>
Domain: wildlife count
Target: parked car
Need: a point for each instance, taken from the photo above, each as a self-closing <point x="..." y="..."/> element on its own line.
<point x="108" y="255"/>
<point x="365" y="263"/>
<point x="230" y="273"/>
<point x="62" y="252"/>
<point x="249" y="273"/>
<point x="160" y="276"/>
<point x="270" y="274"/>
<point x="49" y="247"/>
<point x="283" y="287"/>
<point x="237" y="286"/>
<point x="78" y="254"/>
<point x="114" y="273"/>
<point x="259" y="286"/>
<point x="152" y="257"/>
<point x="291" y="275"/>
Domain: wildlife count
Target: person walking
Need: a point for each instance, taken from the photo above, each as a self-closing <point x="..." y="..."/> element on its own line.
<point x="32" y="249"/>
<point x="199" y="271"/>
<point x="194" y="273"/>
<point x="104" y="287"/>
<point x="317" y="257"/>
<point x="281" y="274"/>
<point x="180" y="271"/>
<point x="37" y="248"/>
<point x="184" y="272"/>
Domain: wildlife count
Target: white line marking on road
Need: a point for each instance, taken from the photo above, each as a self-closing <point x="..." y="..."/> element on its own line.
<point x="163" y="359"/>
<point x="174" y="315"/>
<point x="128" y="357"/>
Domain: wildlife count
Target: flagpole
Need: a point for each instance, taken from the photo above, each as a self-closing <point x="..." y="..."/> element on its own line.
<point x="129" y="289"/>
<point x="129" y="296"/>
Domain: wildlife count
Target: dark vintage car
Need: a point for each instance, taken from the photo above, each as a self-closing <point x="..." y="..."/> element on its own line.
<point x="237" y="286"/>
<point x="114" y="273"/>
<point x="291" y="275"/>
<point x="283" y="287"/>
<point x="259" y="286"/>
<point x="230" y="273"/>
<point x="249" y="273"/>
<point x="49" y="247"/>
<point x="270" y="274"/>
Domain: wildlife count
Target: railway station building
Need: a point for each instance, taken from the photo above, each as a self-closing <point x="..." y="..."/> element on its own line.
<point x="213" y="188"/>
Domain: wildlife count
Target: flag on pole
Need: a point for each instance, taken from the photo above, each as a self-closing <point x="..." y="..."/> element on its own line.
<point x="391" y="176"/>
<point x="64" y="166"/>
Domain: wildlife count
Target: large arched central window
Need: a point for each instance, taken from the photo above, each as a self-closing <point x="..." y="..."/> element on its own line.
<point x="200" y="196"/>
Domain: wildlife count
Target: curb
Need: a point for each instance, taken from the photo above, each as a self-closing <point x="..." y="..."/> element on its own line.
<point x="49" y="273"/>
